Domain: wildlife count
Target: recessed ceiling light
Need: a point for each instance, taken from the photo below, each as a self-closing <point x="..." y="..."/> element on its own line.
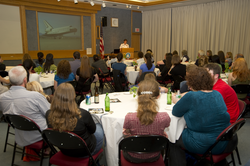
<point x="103" y="4"/>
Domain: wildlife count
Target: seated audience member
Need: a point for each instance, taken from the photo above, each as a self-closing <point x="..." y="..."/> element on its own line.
<point x="175" y="52"/>
<point x="148" y="66"/>
<point x="85" y="75"/>
<point x="64" y="73"/>
<point x="140" y="61"/>
<point x="162" y="62"/>
<point x="216" y="59"/>
<point x="27" y="64"/>
<point x="49" y="64"/>
<point x="209" y="55"/>
<point x="240" y="75"/>
<point x="40" y="60"/>
<point x="20" y="101"/>
<point x="146" y="121"/>
<point x="238" y="56"/>
<point x="152" y="55"/>
<point x="36" y="86"/>
<point x="183" y="85"/>
<point x="177" y="71"/>
<point x="111" y="59"/>
<point x="203" y="60"/>
<point x="119" y="65"/>
<point x="222" y="59"/>
<point x="228" y="94"/>
<point x="99" y="63"/>
<point x="64" y="115"/>
<point x="229" y="58"/>
<point x="185" y="57"/>
<point x="203" y="127"/>
<point x="27" y="56"/>
<point x="163" y="75"/>
<point x="3" y="73"/>
<point x="151" y="76"/>
<point x="200" y="53"/>
<point x="76" y="63"/>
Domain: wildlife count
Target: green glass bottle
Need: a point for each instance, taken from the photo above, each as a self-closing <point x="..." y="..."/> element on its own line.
<point x="107" y="103"/>
<point x="169" y="96"/>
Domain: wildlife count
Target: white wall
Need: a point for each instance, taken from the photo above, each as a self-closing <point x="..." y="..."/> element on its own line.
<point x="10" y="30"/>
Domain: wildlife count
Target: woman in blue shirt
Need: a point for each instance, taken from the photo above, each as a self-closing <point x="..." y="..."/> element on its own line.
<point x="148" y="66"/>
<point x="64" y="73"/>
<point x="206" y="116"/>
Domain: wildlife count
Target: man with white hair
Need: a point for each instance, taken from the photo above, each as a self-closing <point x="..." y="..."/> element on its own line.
<point x="19" y="101"/>
<point x="200" y="53"/>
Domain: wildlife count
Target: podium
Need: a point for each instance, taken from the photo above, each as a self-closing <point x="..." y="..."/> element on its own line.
<point x="127" y="51"/>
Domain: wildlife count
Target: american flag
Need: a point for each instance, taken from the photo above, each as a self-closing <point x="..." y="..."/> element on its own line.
<point x="101" y="43"/>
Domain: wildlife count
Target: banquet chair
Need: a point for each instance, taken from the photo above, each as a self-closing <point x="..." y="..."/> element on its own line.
<point x="242" y="106"/>
<point x="80" y="93"/>
<point x="7" y="134"/>
<point x="120" y="82"/>
<point x="21" y="122"/>
<point x="143" y="144"/>
<point x="105" y="80"/>
<point x="242" y="89"/>
<point x="69" y="141"/>
<point x="226" y="135"/>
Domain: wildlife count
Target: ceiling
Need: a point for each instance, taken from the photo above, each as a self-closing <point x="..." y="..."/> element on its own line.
<point x="144" y="5"/>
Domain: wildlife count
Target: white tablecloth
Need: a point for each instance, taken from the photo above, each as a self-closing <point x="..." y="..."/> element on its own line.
<point x="128" y="62"/>
<point x="188" y="63"/>
<point x="132" y="74"/>
<point x="47" y="80"/>
<point x="113" y="123"/>
<point x="8" y="68"/>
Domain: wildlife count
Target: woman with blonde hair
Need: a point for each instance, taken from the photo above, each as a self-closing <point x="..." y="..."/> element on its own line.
<point x="27" y="56"/>
<point x="64" y="115"/>
<point x="229" y="58"/>
<point x="203" y="60"/>
<point x="147" y="120"/>
<point x="35" y="86"/>
<point x="240" y="75"/>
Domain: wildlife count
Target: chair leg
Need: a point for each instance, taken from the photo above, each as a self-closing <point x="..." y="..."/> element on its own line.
<point x="237" y="152"/>
<point x="6" y="140"/>
<point x="23" y="153"/>
<point x="232" y="155"/>
<point x="13" y="156"/>
<point x="41" y="162"/>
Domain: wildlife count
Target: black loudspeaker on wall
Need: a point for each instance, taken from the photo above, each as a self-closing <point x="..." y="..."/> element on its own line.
<point x="104" y="21"/>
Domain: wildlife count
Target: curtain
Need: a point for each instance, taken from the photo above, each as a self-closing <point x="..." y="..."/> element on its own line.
<point x="222" y="25"/>
<point x="156" y="31"/>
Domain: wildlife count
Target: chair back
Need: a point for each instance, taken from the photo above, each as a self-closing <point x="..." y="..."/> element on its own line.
<point x="73" y="83"/>
<point x="242" y="106"/>
<point x="118" y="78"/>
<point x="241" y="88"/>
<point x="144" y="143"/>
<point x="21" y="122"/>
<point x="65" y="140"/>
<point x="231" y="130"/>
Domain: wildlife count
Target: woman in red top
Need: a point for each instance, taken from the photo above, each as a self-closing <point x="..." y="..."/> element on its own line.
<point x="146" y="121"/>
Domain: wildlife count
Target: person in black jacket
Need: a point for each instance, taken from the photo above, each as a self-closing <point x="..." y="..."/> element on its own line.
<point x="64" y="115"/>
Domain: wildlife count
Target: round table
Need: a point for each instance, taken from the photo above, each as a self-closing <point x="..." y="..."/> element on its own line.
<point x="113" y="123"/>
<point x="132" y="74"/>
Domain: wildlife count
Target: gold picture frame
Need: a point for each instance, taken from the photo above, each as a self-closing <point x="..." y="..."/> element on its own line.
<point x="114" y="22"/>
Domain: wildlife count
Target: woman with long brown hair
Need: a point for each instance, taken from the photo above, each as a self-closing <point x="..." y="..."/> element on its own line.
<point x="148" y="66"/>
<point x="147" y="120"/>
<point x="64" y="73"/>
<point x="64" y="115"/>
<point x="240" y="75"/>
<point x="85" y="75"/>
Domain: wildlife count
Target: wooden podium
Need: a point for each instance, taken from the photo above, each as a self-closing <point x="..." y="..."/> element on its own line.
<point x="124" y="51"/>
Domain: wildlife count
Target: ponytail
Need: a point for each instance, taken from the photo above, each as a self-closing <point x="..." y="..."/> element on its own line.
<point x="149" y="61"/>
<point x="147" y="109"/>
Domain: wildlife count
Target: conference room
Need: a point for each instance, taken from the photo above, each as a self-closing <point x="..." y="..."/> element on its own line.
<point x="156" y="35"/>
